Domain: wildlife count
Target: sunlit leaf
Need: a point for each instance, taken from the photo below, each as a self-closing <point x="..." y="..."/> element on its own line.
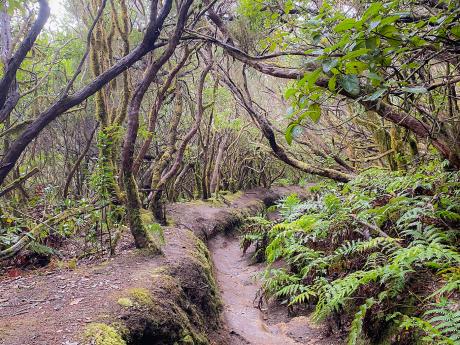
<point x="314" y="112"/>
<point x="290" y="132"/>
<point x="346" y="24"/>
<point x="372" y="10"/>
<point x="455" y="30"/>
<point x="332" y="83"/>
<point x="328" y="64"/>
<point x="290" y="92"/>
<point x="376" y="95"/>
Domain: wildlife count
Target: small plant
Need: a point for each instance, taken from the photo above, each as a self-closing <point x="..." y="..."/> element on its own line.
<point x="156" y="231"/>
<point x="255" y="231"/>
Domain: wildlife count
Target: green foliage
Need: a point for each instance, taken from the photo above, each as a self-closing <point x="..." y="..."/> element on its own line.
<point x="255" y="231"/>
<point x="356" y="328"/>
<point x="102" y="179"/>
<point x="354" y="49"/>
<point x="156" y="231"/>
<point x="373" y="244"/>
<point x="440" y="324"/>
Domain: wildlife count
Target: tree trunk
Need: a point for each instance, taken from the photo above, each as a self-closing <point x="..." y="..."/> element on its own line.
<point x="217" y="164"/>
<point x="133" y="204"/>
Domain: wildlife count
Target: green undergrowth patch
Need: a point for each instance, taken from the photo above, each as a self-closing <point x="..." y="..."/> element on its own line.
<point x="102" y="334"/>
<point x="377" y="258"/>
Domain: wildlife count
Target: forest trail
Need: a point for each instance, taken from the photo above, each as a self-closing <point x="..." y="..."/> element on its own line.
<point x="246" y="323"/>
<point x="52" y="306"/>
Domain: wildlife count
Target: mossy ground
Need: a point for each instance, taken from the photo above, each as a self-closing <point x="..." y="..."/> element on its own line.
<point x="189" y="308"/>
<point x="102" y="334"/>
<point x="181" y="302"/>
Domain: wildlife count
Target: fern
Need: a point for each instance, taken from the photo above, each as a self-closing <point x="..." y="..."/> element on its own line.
<point x="356" y="328"/>
<point x="337" y="262"/>
<point x="446" y="319"/>
<point x="452" y="277"/>
<point x="336" y="294"/>
<point x="431" y="334"/>
<point x="441" y="324"/>
<point x="41" y="249"/>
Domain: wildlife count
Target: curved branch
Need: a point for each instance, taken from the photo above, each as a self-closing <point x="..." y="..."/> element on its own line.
<point x="278" y="150"/>
<point x="67" y="102"/>
<point x="156" y="108"/>
<point x="190" y="134"/>
<point x="20" y="180"/>
<point x="383" y="109"/>
<point x="24" y="48"/>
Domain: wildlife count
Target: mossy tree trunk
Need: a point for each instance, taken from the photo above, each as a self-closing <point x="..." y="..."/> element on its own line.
<point x="99" y="52"/>
<point x="156" y="205"/>
<point x="132" y="196"/>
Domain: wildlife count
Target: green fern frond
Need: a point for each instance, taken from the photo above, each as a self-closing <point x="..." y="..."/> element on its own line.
<point x="357" y="323"/>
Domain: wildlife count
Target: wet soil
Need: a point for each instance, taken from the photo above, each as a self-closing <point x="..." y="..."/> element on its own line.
<point x="239" y="283"/>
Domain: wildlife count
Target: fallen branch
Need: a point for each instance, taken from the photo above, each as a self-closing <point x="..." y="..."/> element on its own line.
<point x="371" y="227"/>
<point x="25" y="240"/>
<point x="18" y="181"/>
<point x="373" y="158"/>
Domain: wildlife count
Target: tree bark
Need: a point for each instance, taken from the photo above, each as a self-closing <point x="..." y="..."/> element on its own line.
<point x="383" y="109"/>
<point x="66" y="102"/>
<point x="133" y="204"/>
<point x="156" y="108"/>
<point x="15" y="62"/>
<point x="278" y="150"/>
<point x="215" y="174"/>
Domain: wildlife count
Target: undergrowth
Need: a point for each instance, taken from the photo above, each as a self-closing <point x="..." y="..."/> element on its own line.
<point x="377" y="258"/>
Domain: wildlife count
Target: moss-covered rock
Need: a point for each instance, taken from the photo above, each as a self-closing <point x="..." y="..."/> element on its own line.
<point x="180" y="303"/>
<point x="196" y="277"/>
<point x="125" y="302"/>
<point x="141" y="297"/>
<point x="102" y="334"/>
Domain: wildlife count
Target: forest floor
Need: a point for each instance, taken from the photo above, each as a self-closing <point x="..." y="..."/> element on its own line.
<point x="52" y="306"/>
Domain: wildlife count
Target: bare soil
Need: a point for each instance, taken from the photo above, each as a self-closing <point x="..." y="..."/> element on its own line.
<point x="48" y="307"/>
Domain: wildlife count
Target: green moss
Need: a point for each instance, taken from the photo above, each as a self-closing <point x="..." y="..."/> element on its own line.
<point x="141" y="297"/>
<point x="202" y="259"/>
<point x="231" y="197"/>
<point x="102" y="334"/>
<point x="125" y="302"/>
<point x="165" y="310"/>
<point x="167" y="282"/>
<point x="188" y="339"/>
<point x="147" y="217"/>
<point x="170" y="221"/>
<point x="159" y="270"/>
<point x="180" y="306"/>
<point x="72" y="264"/>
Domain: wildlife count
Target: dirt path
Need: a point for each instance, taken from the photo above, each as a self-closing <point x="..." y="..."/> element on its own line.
<point x="247" y="324"/>
<point x="49" y="307"/>
<point x="53" y="306"/>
